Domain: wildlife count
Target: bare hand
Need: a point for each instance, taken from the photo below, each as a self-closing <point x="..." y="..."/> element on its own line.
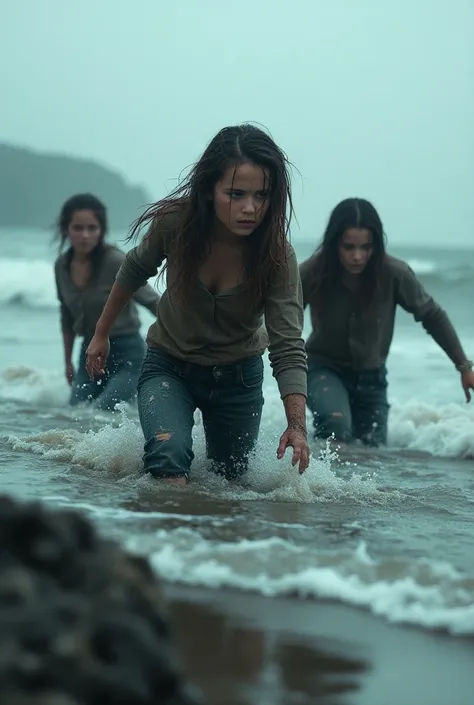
<point x="69" y="373"/>
<point x="96" y="356"/>
<point x="297" y="440"/>
<point x="467" y="381"/>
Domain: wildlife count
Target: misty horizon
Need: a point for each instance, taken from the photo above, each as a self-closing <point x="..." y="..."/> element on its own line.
<point x="369" y="101"/>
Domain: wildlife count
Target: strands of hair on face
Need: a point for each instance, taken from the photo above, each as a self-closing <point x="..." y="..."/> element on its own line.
<point x="326" y="268"/>
<point x="82" y="202"/>
<point x="188" y="213"/>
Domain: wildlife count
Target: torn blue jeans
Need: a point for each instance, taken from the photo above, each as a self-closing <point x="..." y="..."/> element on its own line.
<point x="350" y="404"/>
<point x="121" y="374"/>
<point x="229" y="396"/>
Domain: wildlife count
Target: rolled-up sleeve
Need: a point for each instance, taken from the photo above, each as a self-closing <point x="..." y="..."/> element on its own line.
<point x="284" y="319"/>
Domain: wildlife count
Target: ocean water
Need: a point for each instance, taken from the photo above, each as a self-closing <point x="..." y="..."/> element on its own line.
<point x="390" y="531"/>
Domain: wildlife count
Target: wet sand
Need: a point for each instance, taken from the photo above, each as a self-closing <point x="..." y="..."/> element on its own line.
<point x="246" y="649"/>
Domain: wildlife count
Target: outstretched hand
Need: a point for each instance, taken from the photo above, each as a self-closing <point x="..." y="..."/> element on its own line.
<point x="467" y="381"/>
<point x="298" y="441"/>
<point x="96" y="356"/>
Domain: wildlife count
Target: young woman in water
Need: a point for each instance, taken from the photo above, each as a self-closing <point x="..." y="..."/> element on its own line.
<point x="85" y="274"/>
<point x="353" y="288"/>
<point x="223" y="236"/>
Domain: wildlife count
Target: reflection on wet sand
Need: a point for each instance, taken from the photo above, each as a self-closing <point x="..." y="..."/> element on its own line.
<point x="247" y="649"/>
<point x="241" y="665"/>
<point x="318" y="669"/>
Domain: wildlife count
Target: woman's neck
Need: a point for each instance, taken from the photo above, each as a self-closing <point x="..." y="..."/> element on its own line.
<point x="80" y="257"/>
<point x="221" y="235"/>
<point x="351" y="281"/>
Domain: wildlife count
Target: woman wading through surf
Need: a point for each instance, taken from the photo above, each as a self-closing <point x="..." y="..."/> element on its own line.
<point x="353" y="287"/>
<point x="84" y="275"/>
<point x="223" y="238"/>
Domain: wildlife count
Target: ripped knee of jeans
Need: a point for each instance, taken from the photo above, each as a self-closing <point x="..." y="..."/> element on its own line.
<point x="335" y="423"/>
<point x="163" y="436"/>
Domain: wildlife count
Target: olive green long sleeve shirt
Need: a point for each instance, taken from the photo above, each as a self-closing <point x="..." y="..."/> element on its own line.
<point x="80" y="308"/>
<point x="349" y="334"/>
<point x="223" y="328"/>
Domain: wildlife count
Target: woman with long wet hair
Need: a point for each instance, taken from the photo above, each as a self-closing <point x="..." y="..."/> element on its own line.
<point x="353" y="287"/>
<point x="222" y="238"/>
<point x="85" y="273"/>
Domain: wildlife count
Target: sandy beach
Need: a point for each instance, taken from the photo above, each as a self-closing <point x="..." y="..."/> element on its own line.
<point x="245" y="649"/>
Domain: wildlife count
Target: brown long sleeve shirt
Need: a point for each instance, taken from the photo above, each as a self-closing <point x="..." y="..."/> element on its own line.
<point x="223" y="328"/>
<point x="350" y="335"/>
<point x="80" y="309"/>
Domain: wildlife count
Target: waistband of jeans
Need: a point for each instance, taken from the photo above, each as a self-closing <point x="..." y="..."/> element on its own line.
<point x="340" y="368"/>
<point x="193" y="367"/>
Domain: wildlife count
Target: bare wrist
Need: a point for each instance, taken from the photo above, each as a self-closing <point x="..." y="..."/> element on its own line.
<point x="102" y="329"/>
<point x="295" y="408"/>
<point x="297" y="426"/>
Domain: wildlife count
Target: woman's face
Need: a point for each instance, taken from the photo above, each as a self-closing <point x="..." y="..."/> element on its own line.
<point x="355" y="249"/>
<point x="241" y="198"/>
<point x="84" y="231"/>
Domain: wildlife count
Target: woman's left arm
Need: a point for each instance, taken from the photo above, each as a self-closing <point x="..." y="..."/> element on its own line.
<point x="284" y="319"/>
<point x="413" y="297"/>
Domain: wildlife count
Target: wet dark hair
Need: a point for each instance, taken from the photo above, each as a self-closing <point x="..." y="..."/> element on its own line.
<point x="82" y="202"/>
<point x="81" y="620"/>
<point x="266" y="254"/>
<point x="326" y="265"/>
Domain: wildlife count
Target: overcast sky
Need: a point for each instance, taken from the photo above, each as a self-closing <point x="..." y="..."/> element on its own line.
<point x="368" y="97"/>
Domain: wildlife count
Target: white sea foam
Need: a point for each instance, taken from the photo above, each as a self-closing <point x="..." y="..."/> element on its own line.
<point x="444" y="430"/>
<point x="29" y="282"/>
<point x="420" y="592"/>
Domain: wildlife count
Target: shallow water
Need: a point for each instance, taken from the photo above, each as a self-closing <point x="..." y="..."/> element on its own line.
<point x="390" y="532"/>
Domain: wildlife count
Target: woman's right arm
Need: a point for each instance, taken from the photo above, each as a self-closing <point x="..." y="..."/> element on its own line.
<point x="284" y="321"/>
<point x="68" y="345"/>
<point x="140" y="264"/>
<point x="67" y="330"/>
<point x="99" y="347"/>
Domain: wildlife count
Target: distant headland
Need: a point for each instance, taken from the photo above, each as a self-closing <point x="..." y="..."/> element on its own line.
<point x="34" y="184"/>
